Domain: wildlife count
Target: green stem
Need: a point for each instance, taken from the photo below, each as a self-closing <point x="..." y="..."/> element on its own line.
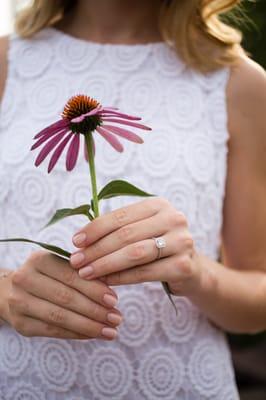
<point x="89" y="143"/>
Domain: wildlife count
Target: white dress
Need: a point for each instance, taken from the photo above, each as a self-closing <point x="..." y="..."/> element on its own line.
<point x="183" y="159"/>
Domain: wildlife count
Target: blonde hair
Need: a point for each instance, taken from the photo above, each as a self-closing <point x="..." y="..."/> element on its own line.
<point x="192" y="27"/>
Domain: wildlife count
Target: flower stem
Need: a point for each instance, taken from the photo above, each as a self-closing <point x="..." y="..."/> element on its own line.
<point x="89" y="143"/>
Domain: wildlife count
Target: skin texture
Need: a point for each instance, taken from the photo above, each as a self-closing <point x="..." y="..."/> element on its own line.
<point x="118" y="246"/>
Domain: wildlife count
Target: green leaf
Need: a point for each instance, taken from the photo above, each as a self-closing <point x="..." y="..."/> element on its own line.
<point x="53" y="249"/>
<point x="168" y="292"/>
<point x="121" y="188"/>
<point x="69" y="212"/>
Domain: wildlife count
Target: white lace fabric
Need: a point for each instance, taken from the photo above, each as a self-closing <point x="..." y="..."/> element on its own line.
<point x="157" y="356"/>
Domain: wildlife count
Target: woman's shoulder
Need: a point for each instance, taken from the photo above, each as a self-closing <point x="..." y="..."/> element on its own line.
<point x="246" y="94"/>
<point x="3" y="63"/>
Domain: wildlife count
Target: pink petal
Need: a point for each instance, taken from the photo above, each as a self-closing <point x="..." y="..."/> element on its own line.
<point x="88" y="114"/>
<point x="72" y="153"/>
<point x="46" y="137"/>
<point x="56" y="127"/>
<point x="123" y="133"/>
<point x="58" y="151"/>
<point x="128" y="123"/>
<point x="110" y="139"/>
<point x="119" y="114"/>
<point x="48" y="148"/>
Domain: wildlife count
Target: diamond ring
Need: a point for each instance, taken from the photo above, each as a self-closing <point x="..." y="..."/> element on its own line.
<point x="160" y="243"/>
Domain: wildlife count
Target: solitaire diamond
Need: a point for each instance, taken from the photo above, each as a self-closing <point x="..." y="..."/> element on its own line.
<point x="160" y="243"/>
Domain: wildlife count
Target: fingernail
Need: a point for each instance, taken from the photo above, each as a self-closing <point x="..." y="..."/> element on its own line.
<point x="114" y="318"/>
<point x="110" y="300"/>
<point x="86" y="271"/>
<point x="109" y="333"/>
<point x="79" y="239"/>
<point x="77" y="258"/>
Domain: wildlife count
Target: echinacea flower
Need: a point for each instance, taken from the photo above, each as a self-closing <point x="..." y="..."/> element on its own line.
<point x="83" y="115"/>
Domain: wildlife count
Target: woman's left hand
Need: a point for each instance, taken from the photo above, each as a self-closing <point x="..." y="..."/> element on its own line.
<point x="119" y="248"/>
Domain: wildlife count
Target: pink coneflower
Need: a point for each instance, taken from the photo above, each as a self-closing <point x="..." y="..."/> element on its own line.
<point x="83" y="115"/>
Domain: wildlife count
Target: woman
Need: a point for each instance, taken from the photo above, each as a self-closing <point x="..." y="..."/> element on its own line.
<point x="201" y="99"/>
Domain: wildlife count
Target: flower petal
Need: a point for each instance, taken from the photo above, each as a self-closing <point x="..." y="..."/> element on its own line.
<point x="46" y="137"/>
<point x="123" y="133"/>
<point x="48" y="148"/>
<point x="58" y="151"/>
<point x="128" y="123"/>
<point x="72" y="153"/>
<point x="56" y="127"/>
<point x="88" y="114"/>
<point x="110" y="139"/>
<point x="119" y="114"/>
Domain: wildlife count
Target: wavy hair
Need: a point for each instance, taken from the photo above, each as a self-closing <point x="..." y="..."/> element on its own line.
<point x="193" y="27"/>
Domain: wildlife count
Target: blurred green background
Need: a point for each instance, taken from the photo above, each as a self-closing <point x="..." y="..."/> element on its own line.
<point x="251" y="19"/>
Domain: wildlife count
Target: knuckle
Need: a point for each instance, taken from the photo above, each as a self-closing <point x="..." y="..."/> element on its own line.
<point x="161" y="202"/>
<point x="13" y="300"/>
<point x="36" y="257"/>
<point x="136" y="251"/>
<point x="97" y="249"/>
<point x="184" y="266"/>
<point x="124" y="234"/>
<point x="56" y="315"/>
<point x="140" y="275"/>
<point x="120" y="217"/>
<point x="69" y="276"/>
<point x="63" y="296"/>
<point x="180" y="218"/>
<point x="95" y="311"/>
<point x="19" y="325"/>
<point x="19" y="276"/>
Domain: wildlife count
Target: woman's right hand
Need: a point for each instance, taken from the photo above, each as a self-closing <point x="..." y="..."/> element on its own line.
<point x="46" y="297"/>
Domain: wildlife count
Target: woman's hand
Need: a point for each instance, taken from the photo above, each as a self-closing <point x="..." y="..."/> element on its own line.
<point x="46" y="297"/>
<point x="119" y="247"/>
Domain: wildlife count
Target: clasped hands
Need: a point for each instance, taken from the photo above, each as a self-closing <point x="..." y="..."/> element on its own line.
<point x="118" y="248"/>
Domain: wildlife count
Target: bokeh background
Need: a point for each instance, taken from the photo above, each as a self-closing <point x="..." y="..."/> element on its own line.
<point x="249" y="351"/>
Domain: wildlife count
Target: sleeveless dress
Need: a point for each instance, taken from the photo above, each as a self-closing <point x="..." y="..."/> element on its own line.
<point x="184" y="158"/>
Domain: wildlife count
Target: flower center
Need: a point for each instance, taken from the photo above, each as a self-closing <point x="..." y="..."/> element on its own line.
<point x="79" y="105"/>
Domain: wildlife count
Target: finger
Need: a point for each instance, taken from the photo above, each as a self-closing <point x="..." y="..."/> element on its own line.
<point x="31" y="327"/>
<point x="55" y="292"/>
<point x="54" y="315"/>
<point x="114" y="220"/>
<point x="156" y="225"/>
<point x="139" y="253"/>
<point x="170" y="269"/>
<point x="60" y="270"/>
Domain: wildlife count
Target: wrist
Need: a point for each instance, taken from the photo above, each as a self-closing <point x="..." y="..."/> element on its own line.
<point x="5" y="276"/>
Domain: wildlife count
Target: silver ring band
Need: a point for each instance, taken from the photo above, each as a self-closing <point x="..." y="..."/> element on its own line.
<point x="160" y="244"/>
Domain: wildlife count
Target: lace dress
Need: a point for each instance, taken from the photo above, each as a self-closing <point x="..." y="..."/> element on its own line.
<point x="183" y="159"/>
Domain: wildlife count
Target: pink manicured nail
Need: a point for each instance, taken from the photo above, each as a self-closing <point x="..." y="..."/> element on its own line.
<point x="86" y="271"/>
<point x="79" y="239"/>
<point x="110" y="300"/>
<point x="114" y="318"/>
<point x="77" y="258"/>
<point x="109" y="333"/>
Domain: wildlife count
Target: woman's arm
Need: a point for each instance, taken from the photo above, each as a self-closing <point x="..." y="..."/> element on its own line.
<point x="117" y="246"/>
<point x="3" y="64"/>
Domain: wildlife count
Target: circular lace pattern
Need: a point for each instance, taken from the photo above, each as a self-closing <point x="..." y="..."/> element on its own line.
<point x="181" y="328"/>
<point x="160" y="374"/>
<point x="109" y="374"/>
<point x="217" y="128"/>
<point x="230" y="393"/>
<point x="4" y="185"/>
<point x="16" y="144"/>
<point x="56" y="364"/>
<point x="200" y="158"/>
<point x="101" y="87"/>
<point x="34" y="57"/>
<point x="209" y="209"/>
<point x="126" y="58"/>
<point x="47" y="97"/>
<point x="57" y="235"/>
<point x="8" y="105"/>
<point x="75" y="57"/>
<point x="34" y="188"/>
<point x="205" y="368"/>
<point x="15" y="352"/>
<point x="178" y="192"/>
<point x="24" y="391"/>
<point x="140" y="95"/>
<point x="166" y="61"/>
<point x="76" y="190"/>
<point x="212" y="80"/>
<point x="138" y="322"/>
<point x="185" y="103"/>
<point x="159" y="153"/>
